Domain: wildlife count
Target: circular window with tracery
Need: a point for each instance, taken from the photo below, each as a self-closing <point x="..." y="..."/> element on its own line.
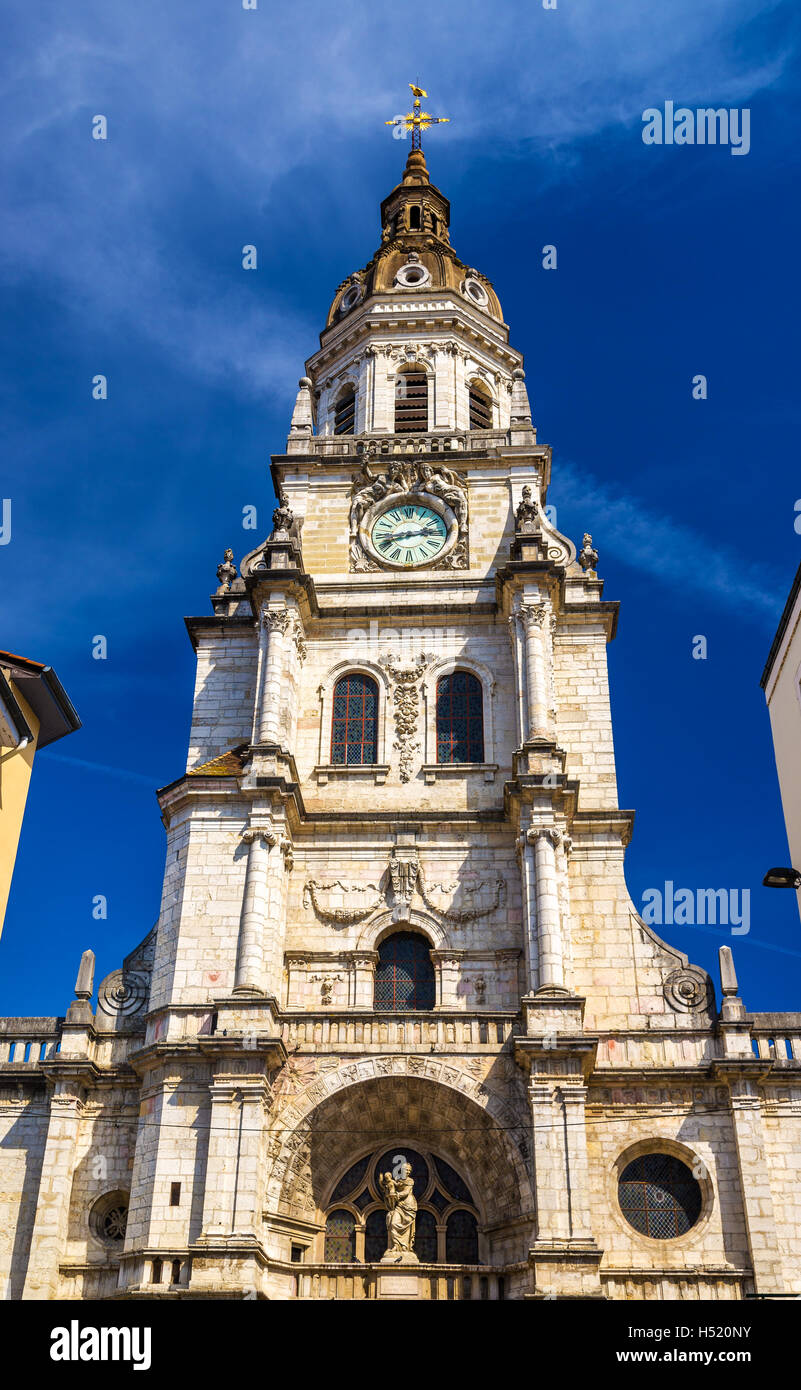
<point x="109" y="1218"/>
<point x="659" y="1196"/>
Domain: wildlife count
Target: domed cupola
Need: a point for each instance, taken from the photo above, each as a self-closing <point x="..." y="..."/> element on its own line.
<point x="415" y="253"/>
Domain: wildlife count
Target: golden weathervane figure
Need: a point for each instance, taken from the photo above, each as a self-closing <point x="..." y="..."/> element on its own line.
<point x="417" y="120"/>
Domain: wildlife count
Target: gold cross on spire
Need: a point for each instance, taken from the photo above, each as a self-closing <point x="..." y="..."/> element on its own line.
<point x="417" y="120"/>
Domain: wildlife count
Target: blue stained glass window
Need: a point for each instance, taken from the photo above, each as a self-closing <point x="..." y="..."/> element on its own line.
<point x="404" y="976"/>
<point x="461" y="1239"/>
<point x="354" y="725"/>
<point x="659" y="1196"/>
<point x="425" y="1237"/>
<point x="460" y="719"/>
<point x="340" y="1238"/>
<point x="375" y="1236"/>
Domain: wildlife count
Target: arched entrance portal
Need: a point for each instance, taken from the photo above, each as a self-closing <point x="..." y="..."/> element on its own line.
<point x="470" y="1168"/>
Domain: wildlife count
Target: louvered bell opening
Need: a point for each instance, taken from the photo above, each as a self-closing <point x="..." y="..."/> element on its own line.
<point x="480" y="410"/>
<point x="344" y="414"/>
<point x="411" y="403"/>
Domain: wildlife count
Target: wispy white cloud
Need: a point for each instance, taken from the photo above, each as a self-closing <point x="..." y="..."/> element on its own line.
<point x="658" y="544"/>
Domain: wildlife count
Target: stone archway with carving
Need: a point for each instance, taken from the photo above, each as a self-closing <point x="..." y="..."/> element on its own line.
<point x="476" y="1120"/>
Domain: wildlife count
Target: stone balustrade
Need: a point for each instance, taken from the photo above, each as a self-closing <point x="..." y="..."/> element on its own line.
<point x="446" y="1283"/>
<point x="777" y="1037"/>
<point x="27" y="1041"/>
<point x="408" y="1031"/>
<point x="381" y="445"/>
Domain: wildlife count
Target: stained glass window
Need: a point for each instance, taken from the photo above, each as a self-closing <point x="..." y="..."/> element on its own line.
<point x="659" y="1196"/>
<point x="416" y="1162"/>
<point x="375" y="1236"/>
<point x="340" y="1238"/>
<point x="354" y="725"/>
<point x="425" y="1237"/>
<point x="460" y="719"/>
<point x="351" y="1181"/>
<point x="461" y="1239"/>
<point x="452" y="1182"/>
<point x="404" y="976"/>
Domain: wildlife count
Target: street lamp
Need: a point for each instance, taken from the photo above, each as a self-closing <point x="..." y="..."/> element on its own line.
<point x="782" y="878"/>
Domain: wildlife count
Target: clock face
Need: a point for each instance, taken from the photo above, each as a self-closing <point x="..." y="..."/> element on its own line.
<point x="409" y="534"/>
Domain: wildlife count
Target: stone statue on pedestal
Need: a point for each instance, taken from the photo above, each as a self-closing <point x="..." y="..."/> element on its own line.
<point x="398" y="1193"/>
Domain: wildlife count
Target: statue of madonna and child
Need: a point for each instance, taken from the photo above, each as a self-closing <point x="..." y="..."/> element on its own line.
<point x="397" y="1189"/>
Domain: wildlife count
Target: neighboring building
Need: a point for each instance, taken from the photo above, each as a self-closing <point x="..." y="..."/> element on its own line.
<point x="781" y="682"/>
<point x="34" y="711"/>
<point x="394" y="919"/>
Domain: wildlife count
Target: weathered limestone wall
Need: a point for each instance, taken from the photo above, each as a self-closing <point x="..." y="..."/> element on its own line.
<point x="23" y="1134"/>
<point x="225" y="689"/>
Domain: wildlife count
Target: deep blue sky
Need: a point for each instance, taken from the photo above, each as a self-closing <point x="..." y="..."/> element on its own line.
<point x="229" y="127"/>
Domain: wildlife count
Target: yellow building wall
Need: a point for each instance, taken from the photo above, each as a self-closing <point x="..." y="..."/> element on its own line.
<point x="15" y="775"/>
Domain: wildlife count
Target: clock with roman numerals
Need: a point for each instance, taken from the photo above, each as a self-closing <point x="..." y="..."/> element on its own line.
<point x="409" y="534"/>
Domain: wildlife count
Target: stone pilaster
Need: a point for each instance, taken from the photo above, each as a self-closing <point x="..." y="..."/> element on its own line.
<point x="55" y="1189"/>
<point x="758" y="1209"/>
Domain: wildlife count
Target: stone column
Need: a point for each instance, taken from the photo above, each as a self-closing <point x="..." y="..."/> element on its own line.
<point x="275" y="622"/>
<point x="49" y="1236"/>
<point x="549" y="926"/>
<point x="758" y="1210"/>
<point x="533" y="618"/>
<point x="249" y="977"/>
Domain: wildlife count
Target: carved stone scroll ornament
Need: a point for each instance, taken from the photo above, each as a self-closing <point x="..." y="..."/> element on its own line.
<point x="459" y="908"/>
<point x="342" y="902"/>
<point x="687" y="989"/>
<point x="406" y="702"/>
<point x="123" y="993"/>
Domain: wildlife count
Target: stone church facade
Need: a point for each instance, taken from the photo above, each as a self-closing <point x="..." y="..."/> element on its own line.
<point x="394" y="919"/>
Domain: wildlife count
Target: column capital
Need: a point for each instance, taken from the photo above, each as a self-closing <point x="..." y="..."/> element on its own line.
<point x="276" y="619"/>
<point x="260" y="832"/>
<point x="549" y="832"/>
<point x="532" y="614"/>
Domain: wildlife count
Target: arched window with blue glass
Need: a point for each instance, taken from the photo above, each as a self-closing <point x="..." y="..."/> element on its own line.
<point x="460" y="718"/>
<point x="404" y="975"/>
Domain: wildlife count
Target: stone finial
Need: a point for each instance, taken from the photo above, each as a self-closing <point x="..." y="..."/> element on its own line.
<point x="588" y="558"/>
<point x="283" y="519"/>
<point x="728" y="974"/>
<point x="527" y="516"/>
<point x="520" y="408"/>
<point x="226" y="572"/>
<point x="79" y="1013"/>
<point x="303" y="415"/>
<point x="85" y="983"/>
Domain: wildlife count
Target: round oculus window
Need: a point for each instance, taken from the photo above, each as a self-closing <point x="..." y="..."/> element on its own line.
<point x="475" y="290"/>
<point x="351" y="298"/>
<point x="412" y="275"/>
<point x="659" y="1196"/>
